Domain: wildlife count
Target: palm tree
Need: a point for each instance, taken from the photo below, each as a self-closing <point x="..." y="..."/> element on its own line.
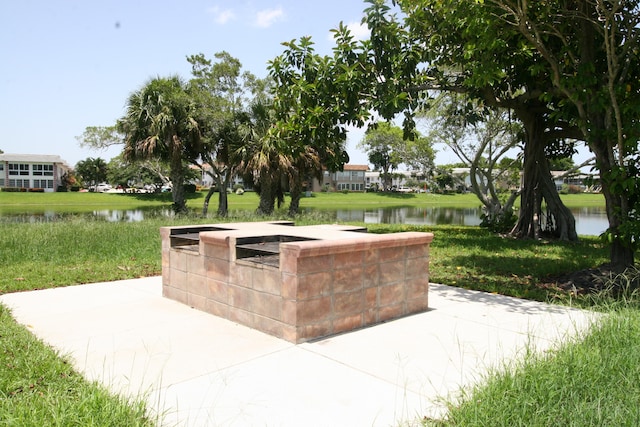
<point x="264" y="158"/>
<point x="160" y="123"/>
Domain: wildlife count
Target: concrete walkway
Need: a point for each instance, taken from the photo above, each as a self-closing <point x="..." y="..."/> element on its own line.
<point x="199" y="370"/>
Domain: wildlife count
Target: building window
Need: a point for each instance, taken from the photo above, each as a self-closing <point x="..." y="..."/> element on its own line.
<point x="1" y="167"/>
<point x="42" y="183"/>
<point x="40" y="170"/>
<point x="18" y="169"/>
<point x="19" y="183"/>
<point x="1" y="182"/>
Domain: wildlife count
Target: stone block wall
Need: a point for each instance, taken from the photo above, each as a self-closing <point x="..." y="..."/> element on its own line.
<point x="320" y="288"/>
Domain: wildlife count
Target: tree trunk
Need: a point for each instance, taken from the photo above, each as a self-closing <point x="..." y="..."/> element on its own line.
<point x="295" y="191"/>
<point x="177" y="182"/>
<point x="223" y="199"/>
<point x="621" y="254"/>
<point x="538" y="185"/>
<point x="207" y="198"/>
<point x="267" y="198"/>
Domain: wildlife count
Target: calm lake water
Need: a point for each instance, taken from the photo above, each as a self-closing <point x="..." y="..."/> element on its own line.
<point x="589" y="221"/>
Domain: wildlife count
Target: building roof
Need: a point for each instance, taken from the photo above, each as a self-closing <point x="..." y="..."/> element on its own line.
<point x="356" y="167"/>
<point x="33" y="158"/>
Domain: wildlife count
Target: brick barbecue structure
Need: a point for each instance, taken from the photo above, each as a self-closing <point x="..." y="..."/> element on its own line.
<point x="297" y="283"/>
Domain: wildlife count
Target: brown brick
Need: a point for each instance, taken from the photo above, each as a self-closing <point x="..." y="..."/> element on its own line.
<point x="316" y="330"/>
<point x="418" y="305"/>
<point x="391" y="312"/>
<point x="347" y="323"/>
<point x="371" y="256"/>
<point x="289" y="312"/>
<point x="288" y="262"/>
<point x="217" y="308"/>
<point x="370" y="316"/>
<point x="266" y="305"/>
<point x="197" y="285"/>
<point x="315" y="264"/>
<point x="417" y="287"/>
<point x="211" y="250"/>
<point x="241" y="275"/>
<point x="243" y="317"/>
<point x="391" y="272"/>
<point x="240" y="298"/>
<point x="347" y="280"/>
<point x="418" y="251"/>
<point x="416" y="267"/>
<point x="217" y="269"/>
<point x="371" y="297"/>
<point x="289" y="286"/>
<point x="174" y="294"/>
<point x="348" y="303"/>
<point x="195" y="264"/>
<point x="348" y="260"/>
<point x="314" y="285"/>
<point x="314" y="310"/>
<point x="371" y="276"/>
<point x="267" y="280"/>
<point x="218" y="291"/>
<point x="198" y="302"/>
<point x="391" y="254"/>
<point x="391" y="294"/>
<point x="178" y="279"/>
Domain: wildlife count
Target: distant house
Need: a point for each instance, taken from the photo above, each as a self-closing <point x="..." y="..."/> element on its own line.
<point x="32" y="171"/>
<point x="351" y="178"/>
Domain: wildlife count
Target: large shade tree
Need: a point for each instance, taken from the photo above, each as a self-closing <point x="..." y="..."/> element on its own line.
<point x="222" y="94"/>
<point x="485" y="52"/>
<point x="160" y="122"/>
<point x="591" y="53"/>
<point x="310" y="123"/>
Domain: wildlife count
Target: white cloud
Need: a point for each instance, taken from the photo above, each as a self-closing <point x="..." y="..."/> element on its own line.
<point x="221" y="16"/>
<point x="266" y="18"/>
<point x="358" y="31"/>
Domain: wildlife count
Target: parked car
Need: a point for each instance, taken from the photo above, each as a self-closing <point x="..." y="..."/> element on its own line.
<point x="403" y="189"/>
<point x="101" y="188"/>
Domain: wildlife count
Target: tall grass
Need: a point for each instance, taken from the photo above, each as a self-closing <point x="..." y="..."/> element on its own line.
<point x="50" y="254"/>
<point x="40" y="388"/>
<point x="591" y="382"/>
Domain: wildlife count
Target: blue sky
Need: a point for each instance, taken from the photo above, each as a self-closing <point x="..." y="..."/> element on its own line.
<point x="71" y="64"/>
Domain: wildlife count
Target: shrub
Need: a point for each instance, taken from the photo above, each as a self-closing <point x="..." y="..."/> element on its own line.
<point x="190" y="188"/>
<point x="36" y="190"/>
<point x="570" y="189"/>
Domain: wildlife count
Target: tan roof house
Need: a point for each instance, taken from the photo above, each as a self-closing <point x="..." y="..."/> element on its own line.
<point x="29" y="171"/>
<point x="351" y="178"/>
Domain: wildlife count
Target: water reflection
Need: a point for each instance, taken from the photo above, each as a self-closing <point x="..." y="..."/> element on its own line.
<point x="589" y="220"/>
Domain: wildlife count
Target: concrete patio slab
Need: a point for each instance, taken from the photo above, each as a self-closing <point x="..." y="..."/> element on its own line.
<point x="196" y="369"/>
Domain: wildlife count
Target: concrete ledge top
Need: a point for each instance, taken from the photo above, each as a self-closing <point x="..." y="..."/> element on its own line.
<point x="349" y="234"/>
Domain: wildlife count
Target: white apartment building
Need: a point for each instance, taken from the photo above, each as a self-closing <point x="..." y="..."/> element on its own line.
<point x="29" y="171"/>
